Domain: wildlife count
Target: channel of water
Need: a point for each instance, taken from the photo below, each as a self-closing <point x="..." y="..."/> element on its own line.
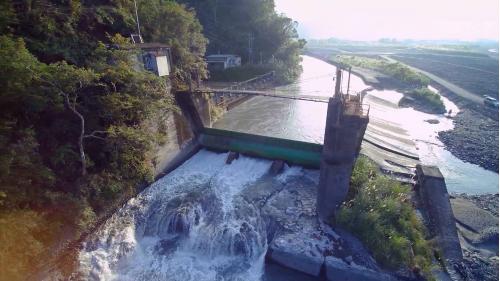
<point x="406" y="129"/>
<point x="206" y="219"/>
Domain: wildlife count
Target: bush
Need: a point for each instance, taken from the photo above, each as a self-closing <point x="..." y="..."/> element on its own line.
<point x="431" y="99"/>
<point x="379" y="212"/>
<point x="394" y="69"/>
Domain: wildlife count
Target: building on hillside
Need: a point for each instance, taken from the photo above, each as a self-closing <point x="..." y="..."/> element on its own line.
<point x="154" y="57"/>
<point x="221" y="62"/>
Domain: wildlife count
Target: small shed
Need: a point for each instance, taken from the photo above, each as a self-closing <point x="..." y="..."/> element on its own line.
<point x="154" y="57"/>
<point x="221" y="62"/>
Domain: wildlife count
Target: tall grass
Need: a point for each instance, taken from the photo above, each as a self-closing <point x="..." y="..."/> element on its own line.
<point x="379" y="212"/>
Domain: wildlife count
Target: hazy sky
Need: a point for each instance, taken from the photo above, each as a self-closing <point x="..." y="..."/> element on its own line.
<point x="402" y="19"/>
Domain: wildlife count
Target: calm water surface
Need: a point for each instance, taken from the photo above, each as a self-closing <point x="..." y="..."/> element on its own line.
<point x="403" y="128"/>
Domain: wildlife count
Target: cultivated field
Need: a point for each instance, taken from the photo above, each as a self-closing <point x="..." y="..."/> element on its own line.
<point x="475" y="73"/>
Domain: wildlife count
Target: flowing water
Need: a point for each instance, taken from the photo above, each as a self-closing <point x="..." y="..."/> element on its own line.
<point x="203" y="221"/>
<point x="402" y="129"/>
<point x="188" y="225"/>
<point x="207" y="220"/>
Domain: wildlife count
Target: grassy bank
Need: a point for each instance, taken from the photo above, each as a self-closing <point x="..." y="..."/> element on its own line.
<point x="415" y="83"/>
<point x="379" y="211"/>
<point x="428" y="98"/>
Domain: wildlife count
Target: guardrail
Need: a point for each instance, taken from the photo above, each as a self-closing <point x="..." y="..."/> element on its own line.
<point x="354" y="108"/>
<point x="238" y="85"/>
<point x="224" y="99"/>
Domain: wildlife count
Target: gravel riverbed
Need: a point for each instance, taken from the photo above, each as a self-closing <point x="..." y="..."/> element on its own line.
<point x="480" y="259"/>
<point x="474" y="139"/>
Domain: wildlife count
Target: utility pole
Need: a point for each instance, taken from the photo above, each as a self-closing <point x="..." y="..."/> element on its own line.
<point x="137" y="20"/>
<point x="349" y="80"/>
<point x="250" y="47"/>
<point x="338" y="84"/>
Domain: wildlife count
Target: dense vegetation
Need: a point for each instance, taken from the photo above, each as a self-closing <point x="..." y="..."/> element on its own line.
<point x="379" y="211"/>
<point x="75" y="118"/>
<point x="79" y="126"/>
<point x="415" y="82"/>
<point x="253" y="30"/>
<point x="394" y="69"/>
<point x="432" y="100"/>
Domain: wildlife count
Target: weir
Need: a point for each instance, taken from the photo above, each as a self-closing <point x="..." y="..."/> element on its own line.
<point x="207" y="217"/>
<point x="346" y="123"/>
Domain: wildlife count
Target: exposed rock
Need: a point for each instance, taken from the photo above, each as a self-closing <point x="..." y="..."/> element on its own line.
<point x="231" y="156"/>
<point x="432" y="121"/>
<point x="477" y="267"/>
<point x="338" y="270"/>
<point x="488" y="202"/>
<point x="471" y="216"/>
<point x="474" y="139"/>
<point x="277" y="167"/>
<point x="296" y="253"/>
<point x="477" y="217"/>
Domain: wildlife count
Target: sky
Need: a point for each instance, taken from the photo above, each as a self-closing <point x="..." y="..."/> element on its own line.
<point x="400" y="19"/>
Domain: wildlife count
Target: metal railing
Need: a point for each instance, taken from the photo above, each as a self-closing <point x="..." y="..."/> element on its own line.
<point x="355" y="108"/>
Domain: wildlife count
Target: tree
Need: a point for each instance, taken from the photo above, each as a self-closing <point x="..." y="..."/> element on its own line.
<point x="252" y="28"/>
<point x="178" y="27"/>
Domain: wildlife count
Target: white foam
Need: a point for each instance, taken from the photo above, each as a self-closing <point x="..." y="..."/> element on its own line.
<point x="229" y="249"/>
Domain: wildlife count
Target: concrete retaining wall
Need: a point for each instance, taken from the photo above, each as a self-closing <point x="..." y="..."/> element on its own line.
<point x="436" y="202"/>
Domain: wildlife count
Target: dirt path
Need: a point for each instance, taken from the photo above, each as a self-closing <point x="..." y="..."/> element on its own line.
<point x="450" y="86"/>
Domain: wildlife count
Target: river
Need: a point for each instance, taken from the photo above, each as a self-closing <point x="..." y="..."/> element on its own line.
<point x="402" y="129"/>
<point x="210" y="221"/>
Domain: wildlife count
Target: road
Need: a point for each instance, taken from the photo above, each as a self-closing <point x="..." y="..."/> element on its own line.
<point x="450" y="86"/>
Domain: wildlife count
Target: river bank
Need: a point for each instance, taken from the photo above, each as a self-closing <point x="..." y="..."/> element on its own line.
<point x="477" y="225"/>
<point x="474" y="138"/>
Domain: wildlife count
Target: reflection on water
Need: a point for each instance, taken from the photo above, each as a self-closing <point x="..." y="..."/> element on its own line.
<point x="402" y="129"/>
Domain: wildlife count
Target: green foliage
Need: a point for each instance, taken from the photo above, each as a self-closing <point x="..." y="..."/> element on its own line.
<point x="380" y="213"/>
<point x="230" y="24"/>
<point x="171" y="23"/>
<point x="68" y="89"/>
<point x="430" y="98"/>
<point x="417" y="82"/>
<point x="394" y="69"/>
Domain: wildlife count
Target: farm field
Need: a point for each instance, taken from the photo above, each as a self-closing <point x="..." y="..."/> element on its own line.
<point x="472" y="68"/>
<point x="475" y="73"/>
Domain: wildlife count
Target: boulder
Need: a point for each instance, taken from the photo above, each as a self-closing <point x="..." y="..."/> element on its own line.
<point x="471" y="216"/>
<point x="293" y="254"/>
<point x="232" y="156"/>
<point x="338" y="270"/>
<point x="277" y="167"/>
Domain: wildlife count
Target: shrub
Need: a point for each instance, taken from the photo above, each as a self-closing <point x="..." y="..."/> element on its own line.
<point x="430" y="98"/>
<point x="379" y="212"/>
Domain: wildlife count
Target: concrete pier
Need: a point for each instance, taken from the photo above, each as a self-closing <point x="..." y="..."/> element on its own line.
<point x="346" y="123"/>
<point x="436" y="202"/>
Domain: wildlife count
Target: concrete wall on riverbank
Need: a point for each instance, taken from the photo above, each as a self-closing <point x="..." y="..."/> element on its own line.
<point x="435" y="202"/>
<point x="180" y="143"/>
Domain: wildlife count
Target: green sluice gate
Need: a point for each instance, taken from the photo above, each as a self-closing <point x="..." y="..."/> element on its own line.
<point x="293" y="152"/>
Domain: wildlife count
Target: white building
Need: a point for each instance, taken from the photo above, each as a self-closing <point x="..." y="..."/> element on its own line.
<point x="220" y="62"/>
<point x="154" y="57"/>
